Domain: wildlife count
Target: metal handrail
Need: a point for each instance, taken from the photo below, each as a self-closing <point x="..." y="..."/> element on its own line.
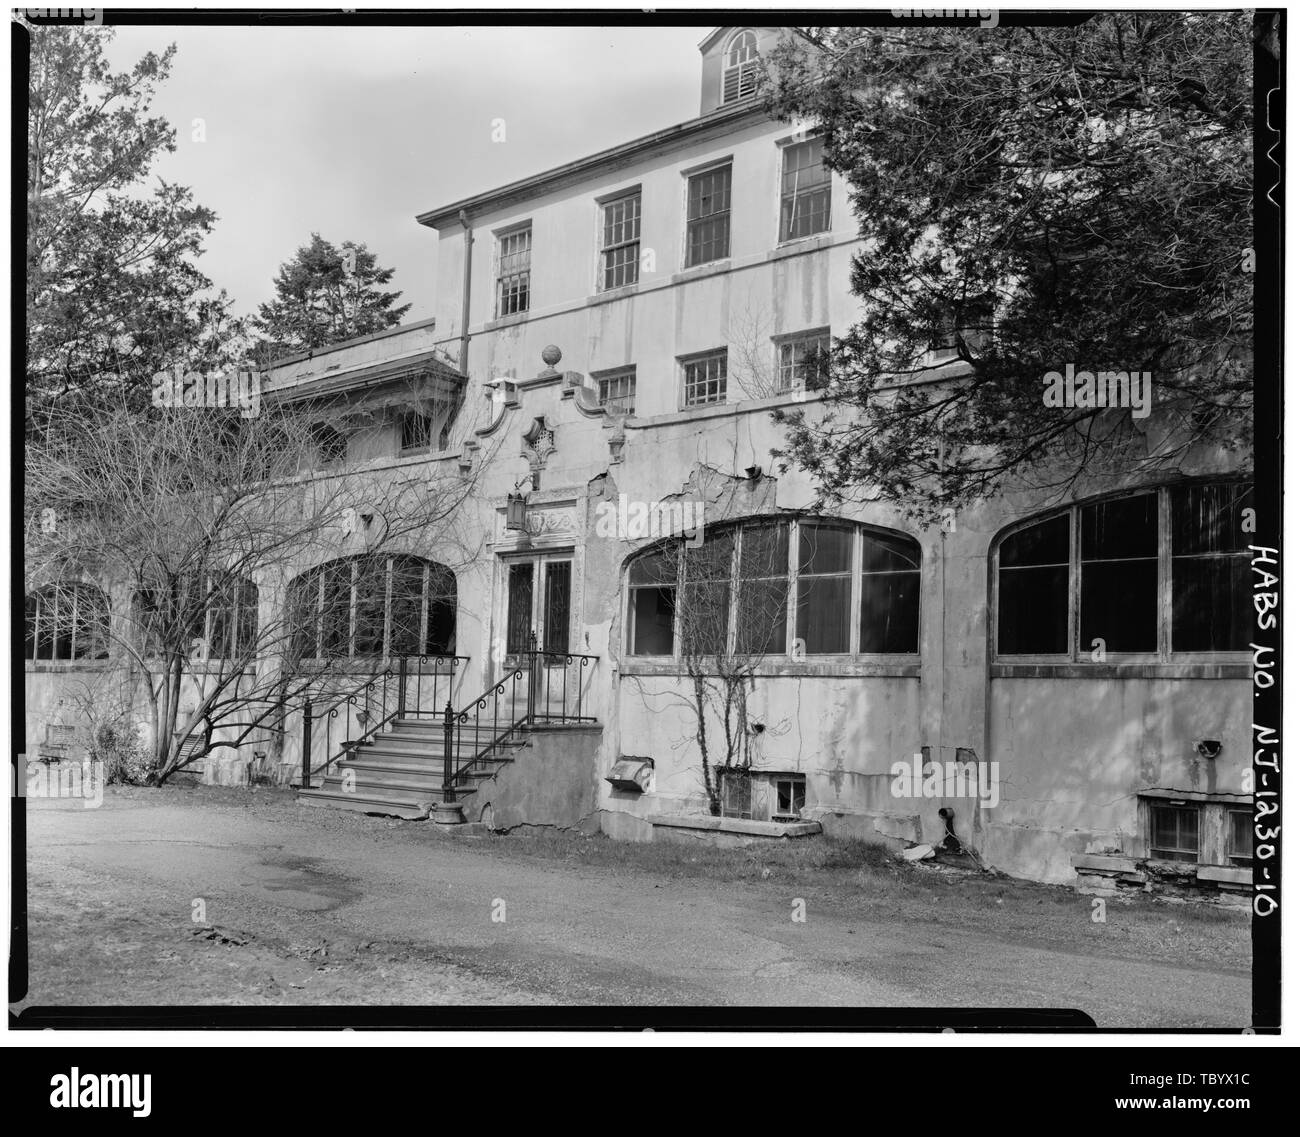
<point x="365" y="691"/>
<point x="454" y="722"/>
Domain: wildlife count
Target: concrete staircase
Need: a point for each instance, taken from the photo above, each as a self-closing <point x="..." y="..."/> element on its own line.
<point x="399" y="773"/>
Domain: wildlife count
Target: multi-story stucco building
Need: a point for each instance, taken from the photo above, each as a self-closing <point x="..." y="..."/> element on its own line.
<point x="610" y="341"/>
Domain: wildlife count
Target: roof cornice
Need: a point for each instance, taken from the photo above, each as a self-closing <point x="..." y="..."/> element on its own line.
<point x="720" y="121"/>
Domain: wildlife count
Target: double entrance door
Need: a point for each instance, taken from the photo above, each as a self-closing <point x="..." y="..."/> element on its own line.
<point x="538" y="604"/>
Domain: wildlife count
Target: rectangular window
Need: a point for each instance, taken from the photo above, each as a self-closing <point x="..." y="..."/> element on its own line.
<point x="1211" y="567"/>
<point x="737" y="795"/>
<point x="406" y="607"/>
<point x="652" y="584"/>
<point x="763" y="590"/>
<point x="803" y="362"/>
<point x="336" y="611"/>
<point x="705" y="380"/>
<point x="1034" y="589"/>
<point x="1175" y="832"/>
<point x="891" y="594"/>
<point x="791" y="792"/>
<point x="1118" y="549"/>
<point x="824" y="615"/>
<point x="805" y="191"/>
<point x="620" y="243"/>
<point x="514" y="271"/>
<point x="708" y="216"/>
<point x="706" y="594"/>
<point x="617" y="390"/>
<point x="417" y="431"/>
<point x="1241" y="850"/>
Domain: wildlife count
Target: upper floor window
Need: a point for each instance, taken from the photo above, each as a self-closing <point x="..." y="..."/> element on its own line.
<point x="801" y="588"/>
<point x="803" y="361"/>
<point x="620" y="241"/>
<point x="66" y="621"/>
<point x="708" y="216"/>
<point x="331" y="445"/>
<point x="969" y="326"/>
<point x="417" y="431"/>
<point x="1153" y="574"/>
<point x="704" y="379"/>
<point x="514" y="271"/>
<point x="618" y="390"/>
<point x="740" y="74"/>
<point x="373" y="606"/>
<point x="805" y="190"/>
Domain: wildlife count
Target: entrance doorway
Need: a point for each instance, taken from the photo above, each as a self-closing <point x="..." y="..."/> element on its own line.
<point x="538" y="603"/>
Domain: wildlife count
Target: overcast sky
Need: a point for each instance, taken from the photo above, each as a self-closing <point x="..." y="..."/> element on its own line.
<point x="351" y="133"/>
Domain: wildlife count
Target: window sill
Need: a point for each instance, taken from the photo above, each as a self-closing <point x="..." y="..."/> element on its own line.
<point x="695" y="272"/>
<point x="608" y="295"/>
<point x="61" y="666"/>
<point x="1148" y="670"/>
<point x="796" y="246"/>
<point x="506" y="321"/>
<point x="774" y="668"/>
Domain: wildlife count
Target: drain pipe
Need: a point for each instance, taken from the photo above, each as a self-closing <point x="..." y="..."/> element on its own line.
<point x="464" y="302"/>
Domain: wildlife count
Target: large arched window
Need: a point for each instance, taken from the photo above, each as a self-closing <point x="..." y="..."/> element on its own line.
<point x="1161" y="573"/>
<point x="210" y="616"/>
<point x="740" y="74"/>
<point x="797" y="588"/>
<point x="374" y="606"/>
<point x="66" y="621"/>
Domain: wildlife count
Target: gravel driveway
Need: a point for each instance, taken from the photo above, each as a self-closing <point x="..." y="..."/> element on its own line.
<point x="153" y="900"/>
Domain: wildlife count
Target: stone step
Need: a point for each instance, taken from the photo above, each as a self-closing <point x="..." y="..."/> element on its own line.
<point x="360" y="804"/>
<point x="370" y="760"/>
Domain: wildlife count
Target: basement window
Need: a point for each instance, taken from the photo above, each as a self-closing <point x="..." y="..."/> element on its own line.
<point x="790" y="797"/>
<point x="1175" y="832"/>
<point x="737" y="795"/>
<point x="1241" y="850"/>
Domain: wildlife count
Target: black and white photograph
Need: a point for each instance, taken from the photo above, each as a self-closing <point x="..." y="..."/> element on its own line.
<point x="598" y="521"/>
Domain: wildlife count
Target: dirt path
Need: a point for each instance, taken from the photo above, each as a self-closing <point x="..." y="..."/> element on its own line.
<point x="305" y="906"/>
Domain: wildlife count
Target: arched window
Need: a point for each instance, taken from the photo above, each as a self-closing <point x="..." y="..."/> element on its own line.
<point x="373" y="606"/>
<point x="796" y="588"/>
<point x="66" y="621"/>
<point x="209" y="616"/>
<point x="1086" y="583"/>
<point x="740" y="75"/>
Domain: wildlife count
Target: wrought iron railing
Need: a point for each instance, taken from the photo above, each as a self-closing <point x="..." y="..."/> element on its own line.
<point x="411" y="687"/>
<point x="544" y="687"/>
<point x="539" y="687"/>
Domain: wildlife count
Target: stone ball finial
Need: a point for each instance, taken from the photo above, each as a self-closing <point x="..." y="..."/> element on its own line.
<point x="551" y="355"/>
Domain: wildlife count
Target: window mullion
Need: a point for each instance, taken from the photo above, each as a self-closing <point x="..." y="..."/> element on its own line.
<point x="792" y="585"/>
<point x="352" y="608"/>
<point x="1164" y="576"/>
<point x="855" y="593"/>
<point x="733" y="606"/>
<point x="1076" y="584"/>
